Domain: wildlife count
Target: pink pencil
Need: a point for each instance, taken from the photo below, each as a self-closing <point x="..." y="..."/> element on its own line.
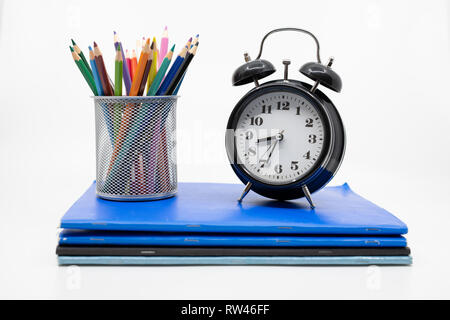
<point x="164" y="46"/>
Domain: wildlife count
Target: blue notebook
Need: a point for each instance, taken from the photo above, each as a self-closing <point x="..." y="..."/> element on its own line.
<point x="288" y="261"/>
<point x="138" y="238"/>
<point x="212" y="208"/>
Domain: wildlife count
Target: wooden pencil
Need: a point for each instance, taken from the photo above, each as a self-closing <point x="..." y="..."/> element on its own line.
<point x="126" y="71"/>
<point x="134" y="64"/>
<point x="154" y="66"/>
<point x="81" y="54"/>
<point x="179" y="75"/>
<point x="140" y="69"/>
<point x="147" y="70"/>
<point x="118" y="73"/>
<point x="104" y="78"/>
<point x="161" y="72"/>
<point x="164" y="46"/>
<point x="98" y="84"/>
<point x="128" y="60"/>
<point x="84" y="71"/>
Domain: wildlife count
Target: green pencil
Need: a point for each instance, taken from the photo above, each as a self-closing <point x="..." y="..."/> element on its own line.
<point x="118" y="72"/>
<point x="117" y="90"/>
<point x="161" y="72"/>
<point x="83" y="58"/>
<point x="84" y="71"/>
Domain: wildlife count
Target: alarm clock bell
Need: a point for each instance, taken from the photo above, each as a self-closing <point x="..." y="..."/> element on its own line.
<point x="252" y="71"/>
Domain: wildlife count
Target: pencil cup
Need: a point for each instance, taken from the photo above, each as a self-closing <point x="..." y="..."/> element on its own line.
<point x="136" y="147"/>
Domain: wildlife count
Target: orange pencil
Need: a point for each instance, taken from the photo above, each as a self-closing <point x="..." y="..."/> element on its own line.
<point x="140" y="70"/>
<point x="147" y="70"/>
<point x="134" y="64"/>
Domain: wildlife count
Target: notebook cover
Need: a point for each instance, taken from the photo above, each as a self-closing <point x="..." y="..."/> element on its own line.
<point x="139" y="238"/>
<point x="212" y="207"/>
<point x="227" y="251"/>
<point x="178" y="261"/>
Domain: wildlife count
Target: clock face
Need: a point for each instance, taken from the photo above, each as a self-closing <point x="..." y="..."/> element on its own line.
<point x="280" y="137"/>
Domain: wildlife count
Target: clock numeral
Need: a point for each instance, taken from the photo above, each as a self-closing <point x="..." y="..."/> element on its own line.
<point x="283" y="105"/>
<point x="298" y="111"/>
<point x="267" y="109"/>
<point x="307" y="155"/>
<point x="309" y="123"/>
<point x="262" y="162"/>
<point x="294" y="165"/>
<point x="258" y="121"/>
<point x="312" y="138"/>
<point x="278" y="168"/>
<point x="249" y="135"/>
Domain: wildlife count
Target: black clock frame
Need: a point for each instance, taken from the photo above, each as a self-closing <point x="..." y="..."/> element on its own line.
<point x="329" y="160"/>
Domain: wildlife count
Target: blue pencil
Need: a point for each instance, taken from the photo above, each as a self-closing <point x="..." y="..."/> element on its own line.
<point x="95" y="71"/>
<point x="172" y="72"/>
<point x="179" y="85"/>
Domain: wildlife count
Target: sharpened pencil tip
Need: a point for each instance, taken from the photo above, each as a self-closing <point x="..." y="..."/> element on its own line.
<point x="95" y="44"/>
<point x="197" y="36"/>
<point x="71" y="49"/>
<point x="165" y="28"/>
<point x="190" y="39"/>
<point x="115" y="32"/>
<point x="173" y="48"/>
<point x="73" y="42"/>
<point x="90" y="48"/>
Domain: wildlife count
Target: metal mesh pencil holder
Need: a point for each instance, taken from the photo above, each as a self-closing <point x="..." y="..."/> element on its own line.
<point x="136" y="147"/>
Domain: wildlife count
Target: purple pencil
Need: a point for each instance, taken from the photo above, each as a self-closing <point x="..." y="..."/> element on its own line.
<point x="126" y="72"/>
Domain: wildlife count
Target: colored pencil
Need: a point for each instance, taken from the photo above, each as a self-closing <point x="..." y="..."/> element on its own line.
<point x="126" y="71"/>
<point x="182" y="78"/>
<point x="98" y="84"/>
<point x="164" y="46"/>
<point x="104" y="78"/>
<point x="179" y="75"/>
<point x="81" y="54"/>
<point x="134" y="63"/>
<point x="173" y="70"/>
<point x="140" y="69"/>
<point x="84" y="71"/>
<point x="118" y="73"/>
<point x="128" y="60"/>
<point x="154" y="66"/>
<point x="147" y="70"/>
<point x="161" y="72"/>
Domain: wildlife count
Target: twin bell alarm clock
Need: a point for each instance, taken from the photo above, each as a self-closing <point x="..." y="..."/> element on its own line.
<point x="285" y="138"/>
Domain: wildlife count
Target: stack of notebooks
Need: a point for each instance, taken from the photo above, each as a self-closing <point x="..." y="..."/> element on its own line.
<point x="205" y="225"/>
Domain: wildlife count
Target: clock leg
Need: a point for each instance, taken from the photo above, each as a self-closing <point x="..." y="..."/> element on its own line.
<point x="308" y="196"/>
<point x="246" y="190"/>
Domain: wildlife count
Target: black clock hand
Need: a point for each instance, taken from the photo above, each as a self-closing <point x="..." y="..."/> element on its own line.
<point x="270" y="138"/>
<point x="266" y="139"/>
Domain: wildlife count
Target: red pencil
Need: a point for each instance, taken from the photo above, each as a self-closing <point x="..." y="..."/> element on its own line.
<point x="127" y="58"/>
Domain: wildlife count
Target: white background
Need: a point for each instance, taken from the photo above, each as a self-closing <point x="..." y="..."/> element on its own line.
<point x="392" y="57"/>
